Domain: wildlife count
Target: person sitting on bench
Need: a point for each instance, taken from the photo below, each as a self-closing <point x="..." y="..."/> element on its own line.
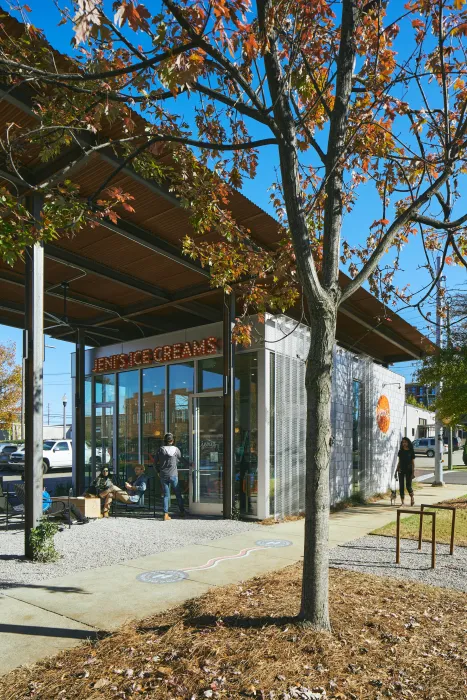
<point x="46" y="500"/>
<point x="104" y="487"/>
<point x="137" y="487"/>
<point x="73" y="513"/>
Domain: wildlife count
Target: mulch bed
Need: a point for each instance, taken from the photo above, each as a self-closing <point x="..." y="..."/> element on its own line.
<point x="390" y="639"/>
<point x="460" y="503"/>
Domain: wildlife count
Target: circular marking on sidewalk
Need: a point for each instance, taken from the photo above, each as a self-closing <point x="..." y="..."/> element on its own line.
<point x="165" y="576"/>
<point x="274" y="543"/>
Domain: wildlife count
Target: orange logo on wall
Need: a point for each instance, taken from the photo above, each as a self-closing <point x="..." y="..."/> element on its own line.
<point x="383" y="414"/>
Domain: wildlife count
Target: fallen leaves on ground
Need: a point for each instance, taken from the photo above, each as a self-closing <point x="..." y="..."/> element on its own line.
<point x="390" y="639"/>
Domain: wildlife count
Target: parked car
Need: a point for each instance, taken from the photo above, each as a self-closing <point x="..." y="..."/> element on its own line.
<point x="426" y="446"/>
<point x="56" y="453"/>
<point x="5" y="451"/>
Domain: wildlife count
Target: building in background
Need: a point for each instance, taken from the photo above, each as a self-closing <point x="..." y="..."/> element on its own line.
<point x="55" y="432"/>
<point x="423" y="394"/>
<point x="418" y="422"/>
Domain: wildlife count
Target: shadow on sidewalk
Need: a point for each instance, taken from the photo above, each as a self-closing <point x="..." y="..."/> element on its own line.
<point x="51" y="632"/>
<point x="53" y="589"/>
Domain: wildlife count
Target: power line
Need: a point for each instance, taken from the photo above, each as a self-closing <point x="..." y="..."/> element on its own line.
<point x="55" y="374"/>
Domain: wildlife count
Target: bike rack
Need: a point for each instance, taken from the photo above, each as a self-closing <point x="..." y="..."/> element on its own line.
<point x="453" y="523"/>
<point x="420" y="513"/>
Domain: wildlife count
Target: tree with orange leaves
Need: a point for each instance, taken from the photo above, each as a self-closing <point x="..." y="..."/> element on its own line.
<point x="10" y="386"/>
<point x="353" y="96"/>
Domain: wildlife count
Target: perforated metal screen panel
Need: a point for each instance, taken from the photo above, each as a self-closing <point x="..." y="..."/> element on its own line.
<point x="290" y="428"/>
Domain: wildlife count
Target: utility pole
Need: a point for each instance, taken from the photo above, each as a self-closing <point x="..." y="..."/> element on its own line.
<point x="439" y="442"/>
<point x="64" y="399"/>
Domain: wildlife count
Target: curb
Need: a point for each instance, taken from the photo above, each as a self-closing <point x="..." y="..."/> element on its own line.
<point x="425" y="477"/>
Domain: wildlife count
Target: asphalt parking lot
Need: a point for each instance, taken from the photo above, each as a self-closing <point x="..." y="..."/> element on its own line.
<point x="60" y="477"/>
<point x="454" y="477"/>
<point x="425" y="465"/>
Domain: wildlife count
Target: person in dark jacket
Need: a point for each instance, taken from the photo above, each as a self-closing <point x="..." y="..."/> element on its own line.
<point x="104" y="487"/>
<point x="166" y="462"/>
<point x="405" y="469"/>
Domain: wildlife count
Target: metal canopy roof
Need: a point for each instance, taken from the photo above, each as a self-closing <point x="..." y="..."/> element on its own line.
<point x="130" y="279"/>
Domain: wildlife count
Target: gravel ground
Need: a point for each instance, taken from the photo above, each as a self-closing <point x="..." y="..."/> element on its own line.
<point x="105" y="542"/>
<point x="377" y="555"/>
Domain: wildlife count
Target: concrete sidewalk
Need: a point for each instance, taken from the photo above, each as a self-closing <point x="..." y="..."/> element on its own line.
<point x="38" y="620"/>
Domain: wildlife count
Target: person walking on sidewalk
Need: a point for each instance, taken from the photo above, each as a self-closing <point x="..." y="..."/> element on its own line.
<point x="166" y="462"/>
<point x="405" y="469"/>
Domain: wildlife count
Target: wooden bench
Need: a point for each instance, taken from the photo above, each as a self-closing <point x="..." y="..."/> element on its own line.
<point x="88" y="507"/>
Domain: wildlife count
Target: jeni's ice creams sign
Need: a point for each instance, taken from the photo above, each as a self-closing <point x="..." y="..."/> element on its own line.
<point x="383" y="414"/>
<point x="163" y="353"/>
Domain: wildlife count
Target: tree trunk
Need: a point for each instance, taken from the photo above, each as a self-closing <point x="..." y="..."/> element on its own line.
<point x="315" y="603"/>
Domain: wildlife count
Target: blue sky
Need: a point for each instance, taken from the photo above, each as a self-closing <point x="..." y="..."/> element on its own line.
<point x="57" y="381"/>
<point x="367" y="209"/>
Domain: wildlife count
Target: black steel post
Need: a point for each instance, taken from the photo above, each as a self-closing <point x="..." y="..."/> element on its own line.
<point x="33" y="376"/>
<point x="229" y="403"/>
<point x="79" y="425"/>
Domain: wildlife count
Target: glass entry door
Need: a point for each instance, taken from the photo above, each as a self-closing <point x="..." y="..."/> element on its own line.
<point x="207" y="449"/>
<point x="103" y="446"/>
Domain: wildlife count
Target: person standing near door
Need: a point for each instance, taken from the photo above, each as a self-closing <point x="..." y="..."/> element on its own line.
<point x="166" y="462"/>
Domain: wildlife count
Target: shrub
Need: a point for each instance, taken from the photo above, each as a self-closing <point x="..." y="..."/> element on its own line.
<point x="42" y="542"/>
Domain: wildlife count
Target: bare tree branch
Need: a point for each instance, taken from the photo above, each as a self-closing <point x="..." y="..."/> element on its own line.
<point x="248" y="145"/>
<point x="404" y="218"/>
<point x="436" y="223"/>
<point x="102" y="75"/>
<point x="333" y="207"/>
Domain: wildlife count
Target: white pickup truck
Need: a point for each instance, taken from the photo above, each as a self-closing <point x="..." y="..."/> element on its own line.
<point x="57" y="453"/>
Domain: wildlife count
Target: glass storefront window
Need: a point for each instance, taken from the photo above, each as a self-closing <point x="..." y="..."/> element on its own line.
<point x="246" y="433"/>
<point x="209" y="448"/>
<point x="153" y="411"/>
<point x="87" y="431"/>
<point x="105" y="388"/>
<point x="211" y="374"/>
<point x="141" y="421"/>
<point x="181" y="385"/>
<point x="128" y="422"/>
<point x="104" y="422"/>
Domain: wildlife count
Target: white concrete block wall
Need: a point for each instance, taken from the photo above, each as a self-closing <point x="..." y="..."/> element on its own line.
<point x="378" y="450"/>
<point x="384" y="446"/>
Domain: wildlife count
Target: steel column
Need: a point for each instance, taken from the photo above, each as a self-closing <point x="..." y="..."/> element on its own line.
<point x="79" y="426"/>
<point x="229" y="403"/>
<point x="33" y="362"/>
